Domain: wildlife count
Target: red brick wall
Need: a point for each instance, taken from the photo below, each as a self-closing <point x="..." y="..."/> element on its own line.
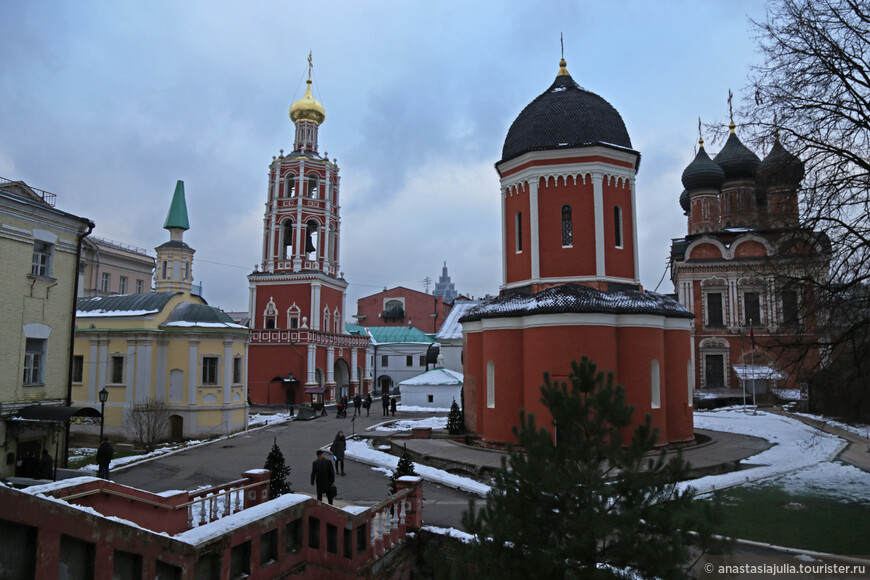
<point x="419" y="308"/>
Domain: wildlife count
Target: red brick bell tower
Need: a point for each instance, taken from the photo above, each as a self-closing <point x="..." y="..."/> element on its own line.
<point x="299" y="346"/>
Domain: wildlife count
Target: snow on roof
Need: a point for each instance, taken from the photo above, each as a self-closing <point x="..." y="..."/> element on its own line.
<point x="751" y="372"/>
<point x="435" y="377"/>
<point x="205" y="325"/>
<point x="452" y="329"/>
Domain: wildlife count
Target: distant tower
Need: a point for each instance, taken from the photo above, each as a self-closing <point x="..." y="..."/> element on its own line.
<point x="174" y="271"/>
<point x="297" y="298"/>
<point x="444" y="287"/>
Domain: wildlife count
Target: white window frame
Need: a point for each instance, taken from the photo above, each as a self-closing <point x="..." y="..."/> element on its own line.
<point x="618" y="230"/>
<point x="217" y="370"/>
<point x="122" y="285"/>
<point x="140" y="286"/>
<point x="655" y="384"/>
<point x="490" y="385"/>
<point x="35" y="350"/>
<point x="43" y="259"/>
<point x="238" y="370"/>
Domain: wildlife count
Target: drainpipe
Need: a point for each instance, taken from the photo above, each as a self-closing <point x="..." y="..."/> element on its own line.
<point x="72" y="335"/>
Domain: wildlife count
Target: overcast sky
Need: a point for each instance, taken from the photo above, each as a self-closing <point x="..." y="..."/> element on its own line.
<point x="107" y="104"/>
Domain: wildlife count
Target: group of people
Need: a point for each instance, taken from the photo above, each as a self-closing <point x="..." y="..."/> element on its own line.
<point x="389" y="404"/>
<point x="323" y="472"/>
<point x="358" y="404"/>
<point x="30" y="466"/>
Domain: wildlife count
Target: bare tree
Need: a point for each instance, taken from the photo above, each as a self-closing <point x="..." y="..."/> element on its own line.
<point x="813" y="90"/>
<point x="147" y="423"/>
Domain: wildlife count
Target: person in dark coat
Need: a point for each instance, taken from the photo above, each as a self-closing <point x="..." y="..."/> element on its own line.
<point x="338" y="447"/>
<point x="368" y="403"/>
<point x="357" y="405"/>
<point x="46" y="466"/>
<point x="393" y="405"/>
<point x="385" y="401"/>
<point x="104" y="457"/>
<point x="323" y="476"/>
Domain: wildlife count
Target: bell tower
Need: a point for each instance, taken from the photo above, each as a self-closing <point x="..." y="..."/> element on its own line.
<point x="297" y="291"/>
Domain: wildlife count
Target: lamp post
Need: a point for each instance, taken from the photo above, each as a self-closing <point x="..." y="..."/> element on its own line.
<point x="104" y="396"/>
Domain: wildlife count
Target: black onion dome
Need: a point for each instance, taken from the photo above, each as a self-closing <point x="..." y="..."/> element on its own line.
<point x="564" y="116"/>
<point x="684" y="201"/>
<point x="702" y="172"/>
<point x="780" y="167"/>
<point x="736" y="160"/>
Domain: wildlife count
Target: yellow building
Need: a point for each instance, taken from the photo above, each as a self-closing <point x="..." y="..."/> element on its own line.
<point x="168" y="346"/>
<point x="39" y="249"/>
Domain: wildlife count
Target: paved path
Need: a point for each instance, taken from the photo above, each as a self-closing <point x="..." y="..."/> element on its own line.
<point x="226" y="459"/>
<point x="857" y="453"/>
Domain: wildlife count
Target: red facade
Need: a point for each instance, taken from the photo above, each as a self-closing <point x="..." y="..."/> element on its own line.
<point x="402" y="306"/>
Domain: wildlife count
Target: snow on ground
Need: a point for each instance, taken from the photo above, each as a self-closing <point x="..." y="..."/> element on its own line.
<point x="136" y="458"/>
<point x="360" y="451"/>
<point x="408" y="424"/>
<point x="796" y="446"/>
<point x="862" y="430"/>
<point x="837" y="481"/>
<point x="258" y="420"/>
<point x="412" y="409"/>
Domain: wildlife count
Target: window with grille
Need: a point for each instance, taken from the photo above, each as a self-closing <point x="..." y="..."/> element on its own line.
<point x="714" y="309"/>
<point x="140" y="286"/>
<point x="237" y="370"/>
<point x="78" y="368"/>
<point x="789" y="307"/>
<point x="751" y="308"/>
<point x="567" y="227"/>
<point x="210" y="370"/>
<point x="714" y="371"/>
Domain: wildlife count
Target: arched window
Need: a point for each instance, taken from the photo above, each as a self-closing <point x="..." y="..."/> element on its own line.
<point x="567" y="227"/>
<point x="519" y="231"/>
<point x="490" y="384"/>
<point x="312" y="237"/>
<point x="617" y="226"/>
<point x="293" y="316"/>
<point x="655" y="385"/>
<point x="336" y="320"/>
<point x="313" y="182"/>
<point x="270" y="316"/>
<point x="289" y="185"/>
<point x="326" y="318"/>
<point x="394" y="310"/>
<point x="287" y="239"/>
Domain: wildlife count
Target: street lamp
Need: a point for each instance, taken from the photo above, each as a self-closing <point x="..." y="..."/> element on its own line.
<point x="104" y="396"/>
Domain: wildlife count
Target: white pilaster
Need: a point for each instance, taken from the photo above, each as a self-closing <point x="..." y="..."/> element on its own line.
<point x="330" y="365"/>
<point x="161" y="390"/>
<point x="228" y="370"/>
<point x="504" y="196"/>
<point x="354" y="376"/>
<point x="633" y="231"/>
<point x="315" y="315"/>
<point x="312" y="364"/>
<point x="192" y="370"/>
<point x="533" y="229"/>
<point x="598" y="205"/>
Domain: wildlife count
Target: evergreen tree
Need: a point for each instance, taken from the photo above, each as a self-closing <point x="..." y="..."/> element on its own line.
<point x="582" y="505"/>
<point x="455" y="420"/>
<point x="278" y="483"/>
<point x="404" y="467"/>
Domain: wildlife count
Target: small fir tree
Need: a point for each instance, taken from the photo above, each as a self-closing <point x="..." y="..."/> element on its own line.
<point x="405" y="467"/>
<point x="578" y="503"/>
<point x="455" y="420"/>
<point x="278" y="483"/>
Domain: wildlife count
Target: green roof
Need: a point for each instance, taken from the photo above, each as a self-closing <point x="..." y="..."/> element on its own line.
<point x="177" y="216"/>
<point x="198" y="314"/>
<point x="123" y="305"/>
<point x="385" y="334"/>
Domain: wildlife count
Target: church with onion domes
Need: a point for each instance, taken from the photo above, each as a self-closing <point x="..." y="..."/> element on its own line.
<point x="570" y="284"/>
<point x="745" y="269"/>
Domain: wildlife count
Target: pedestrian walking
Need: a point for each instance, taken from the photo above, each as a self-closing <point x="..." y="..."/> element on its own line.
<point x="323" y="476"/>
<point x="385" y="401"/>
<point x="357" y="403"/>
<point x="104" y="457"/>
<point x="339" y="444"/>
<point x="368" y="403"/>
<point x="46" y="466"/>
<point x="393" y="405"/>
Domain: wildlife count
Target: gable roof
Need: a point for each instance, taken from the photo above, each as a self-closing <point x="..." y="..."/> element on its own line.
<point x="438" y="377"/>
<point x="452" y="328"/>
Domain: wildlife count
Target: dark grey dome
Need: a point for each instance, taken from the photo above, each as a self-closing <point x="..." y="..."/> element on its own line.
<point x="684" y="202"/>
<point x="736" y="160"/>
<point x="564" y="116"/>
<point x="702" y="172"/>
<point x="780" y="167"/>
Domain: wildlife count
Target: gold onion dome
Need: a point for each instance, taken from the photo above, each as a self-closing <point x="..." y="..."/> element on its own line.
<point x="307" y="109"/>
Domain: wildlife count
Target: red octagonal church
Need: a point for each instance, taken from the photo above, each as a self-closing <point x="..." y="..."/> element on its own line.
<point x="570" y="282"/>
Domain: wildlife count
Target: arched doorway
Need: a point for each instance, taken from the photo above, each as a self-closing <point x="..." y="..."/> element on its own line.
<point x="384" y="384"/>
<point x="341" y="373"/>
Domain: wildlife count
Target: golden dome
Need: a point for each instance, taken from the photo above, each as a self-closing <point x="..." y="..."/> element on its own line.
<point x="306" y="108"/>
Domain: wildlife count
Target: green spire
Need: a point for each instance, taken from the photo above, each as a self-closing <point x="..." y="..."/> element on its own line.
<point x="177" y="216"/>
